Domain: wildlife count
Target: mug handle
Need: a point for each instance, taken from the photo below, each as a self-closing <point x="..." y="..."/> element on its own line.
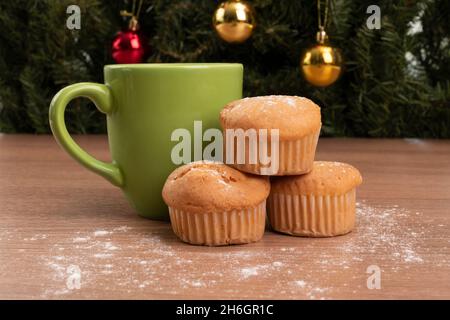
<point x="101" y="96"/>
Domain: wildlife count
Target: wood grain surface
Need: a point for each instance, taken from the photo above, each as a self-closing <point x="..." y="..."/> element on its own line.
<point x="66" y="233"/>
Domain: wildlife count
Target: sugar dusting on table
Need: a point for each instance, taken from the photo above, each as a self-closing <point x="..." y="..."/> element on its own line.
<point x="152" y="263"/>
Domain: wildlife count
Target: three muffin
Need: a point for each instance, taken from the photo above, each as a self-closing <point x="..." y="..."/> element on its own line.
<point x="320" y="203"/>
<point x="213" y="204"/>
<point x="298" y="121"/>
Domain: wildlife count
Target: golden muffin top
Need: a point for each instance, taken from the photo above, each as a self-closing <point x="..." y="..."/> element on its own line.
<point x="206" y="187"/>
<point x="294" y="116"/>
<point x="333" y="178"/>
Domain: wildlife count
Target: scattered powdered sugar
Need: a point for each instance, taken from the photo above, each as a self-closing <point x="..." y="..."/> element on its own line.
<point x="194" y="283"/>
<point x="36" y="237"/>
<point x="100" y="233"/>
<point x="266" y="103"/>
<point x="103" y="255"/>
<point x="300" y="283"/>
<point x="317" y="293"/>
<point x="109" y="246"/>
<point x="277" y="264"/>
<point x="224" y="183"/>
<point x="156" y="263"/>
<point x="248" y="272"/>
<point x="381" y="230"/>
<point x="122" y="229"/>
<point x="410" y="256"/>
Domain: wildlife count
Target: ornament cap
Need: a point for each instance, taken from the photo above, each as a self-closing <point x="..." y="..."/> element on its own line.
<point x="321" y="36"/>
<point x="133" y="25"/>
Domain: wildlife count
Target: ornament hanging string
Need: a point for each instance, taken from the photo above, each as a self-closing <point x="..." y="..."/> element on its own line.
<point x="139" y="8"/>
<point x="321" y="36"/>
<point x="133" y="14"/>
<point x="323" y="25"/>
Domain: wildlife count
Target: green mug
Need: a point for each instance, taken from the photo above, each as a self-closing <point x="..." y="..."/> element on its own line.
<point x="144" y="104"/>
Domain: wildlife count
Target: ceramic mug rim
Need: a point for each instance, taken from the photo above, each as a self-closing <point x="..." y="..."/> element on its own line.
<point x="176" y="65"/>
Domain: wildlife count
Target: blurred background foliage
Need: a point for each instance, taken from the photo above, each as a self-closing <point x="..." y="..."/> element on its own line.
<point x="395" y="84"/>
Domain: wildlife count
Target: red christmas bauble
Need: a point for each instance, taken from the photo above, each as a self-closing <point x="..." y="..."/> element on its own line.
<point x="129" y="47"/>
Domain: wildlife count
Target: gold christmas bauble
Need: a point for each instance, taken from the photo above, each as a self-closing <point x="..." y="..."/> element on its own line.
<point x="321" y="65"/>
<point x="234" y="21"/>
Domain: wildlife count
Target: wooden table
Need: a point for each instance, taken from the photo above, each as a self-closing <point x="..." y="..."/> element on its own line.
<point x="66" y="233"/>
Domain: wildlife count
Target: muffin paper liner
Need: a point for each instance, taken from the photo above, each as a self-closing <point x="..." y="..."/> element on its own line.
<point x="312" y="215"/>
<point x="219" y="228"/>
<point x="295" y="156"/>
